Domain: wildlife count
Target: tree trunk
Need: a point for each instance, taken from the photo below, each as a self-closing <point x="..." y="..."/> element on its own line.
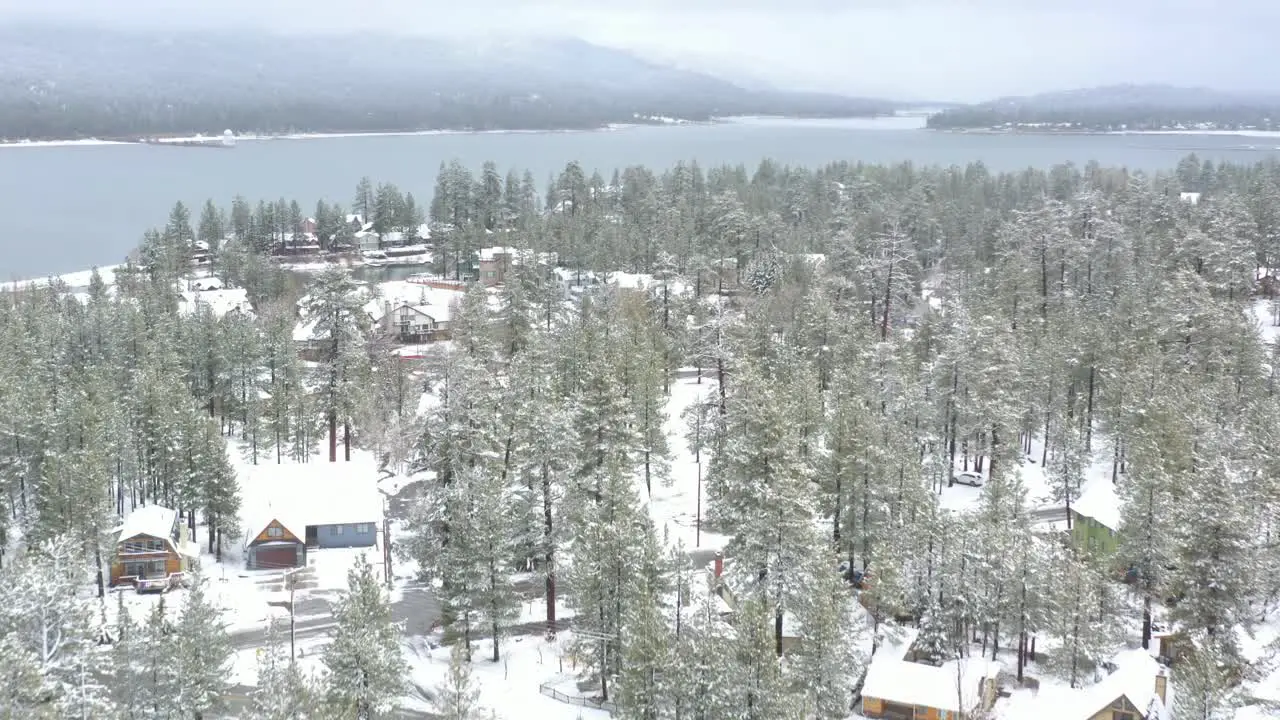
<point x="549" y="555"/>
<point x="333" y="436"/>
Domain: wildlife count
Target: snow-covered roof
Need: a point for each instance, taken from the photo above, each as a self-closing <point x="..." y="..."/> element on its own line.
<point x="211" y="282"/>
<point x="490" y="254"/>
<point x="434" y="301"/>
<point x="313" y="493"/>
<point x="518" y="255"/>
<point x="218" y="302"/>
<point x="1134" y="678"/>
<point x="1100" y="502"/>
<point x="151" y="520"/>
<point x="631" y="281"/>
<point x="944" y="688"/>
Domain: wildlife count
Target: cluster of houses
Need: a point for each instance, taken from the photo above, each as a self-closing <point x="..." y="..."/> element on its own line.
<point x="295" y="509"/>
<point x="900" y="684"/>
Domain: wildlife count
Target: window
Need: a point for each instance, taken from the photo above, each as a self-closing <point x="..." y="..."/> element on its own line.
<point x="157" y="546"/>
<point x="490" y="273"/>
<point x="337" y="529"/>
<point x="275" y="532"/>
<point x="362" y="528"/>
<point x="1120" y="715"/>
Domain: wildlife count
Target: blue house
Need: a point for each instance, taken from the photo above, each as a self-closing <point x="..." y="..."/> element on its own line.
<point x="299" y="508"/>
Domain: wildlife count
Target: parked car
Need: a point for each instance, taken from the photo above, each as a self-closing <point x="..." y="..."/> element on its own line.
<point x="968" y="477"/>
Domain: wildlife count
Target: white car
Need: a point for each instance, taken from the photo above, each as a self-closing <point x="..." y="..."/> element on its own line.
<point x="968" y="477"/>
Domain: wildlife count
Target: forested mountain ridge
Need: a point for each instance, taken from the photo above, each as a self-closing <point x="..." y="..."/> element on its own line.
<point x="1088" y="313"/>
<point x="1118" y="107"/>
<point x="67" y="82"/>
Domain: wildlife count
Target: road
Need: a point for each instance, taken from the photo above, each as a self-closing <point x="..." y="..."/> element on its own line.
<point x="238" y="703"/>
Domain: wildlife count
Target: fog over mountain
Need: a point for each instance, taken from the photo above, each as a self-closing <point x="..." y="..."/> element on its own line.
<point x="912" y="49"/>
<point x="83" y="81"/>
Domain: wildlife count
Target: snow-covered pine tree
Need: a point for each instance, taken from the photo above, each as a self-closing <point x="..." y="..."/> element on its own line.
<point x="219" y="492"/>
<point x="201" y="654"/>
<point x="125" y="661"/>
<point x="42" y="608"/>
<point x="826" y="664"/>
<point x="24" y="690"/>
<point x="283" y="692"/>
<point x="759" y="487"/>
<point x="155" y="677"/>
<point x="366" y="672"/>
<point x="544" y="430"/>
<point x="458" y="696"/>
<point x="493" y="542"/>
<point x="763" y="692"/>
<point x="644" y="689"/>
<point x="1078" y="618"/>
<point x="1205" y="689"/>
<point x="335" y="304"/>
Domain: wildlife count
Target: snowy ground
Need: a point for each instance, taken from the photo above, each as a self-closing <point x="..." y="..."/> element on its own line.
<point x="511" y="688"/>
<point x="74" y="280"/>
<point x="674" y="507"/>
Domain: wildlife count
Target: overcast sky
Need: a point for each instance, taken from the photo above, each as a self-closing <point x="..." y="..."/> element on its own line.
<point x="911" y="49"/>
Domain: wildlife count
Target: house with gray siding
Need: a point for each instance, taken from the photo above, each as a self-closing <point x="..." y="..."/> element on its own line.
<point x="301" y="508"/>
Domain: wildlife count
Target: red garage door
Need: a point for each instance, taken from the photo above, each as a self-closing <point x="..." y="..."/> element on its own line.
<point x="271" y="558"/>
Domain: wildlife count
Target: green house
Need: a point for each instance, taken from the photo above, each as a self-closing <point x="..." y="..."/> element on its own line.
<point x="1095" y="518"/>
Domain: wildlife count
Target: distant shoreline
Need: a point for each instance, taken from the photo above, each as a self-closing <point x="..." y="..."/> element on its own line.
<point x="179" y="140"/>
<point x="1034" y="131"/>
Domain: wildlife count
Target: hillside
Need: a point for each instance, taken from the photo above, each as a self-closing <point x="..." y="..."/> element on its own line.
<point x="70" y="82"/>
<point x="1118" y="108"/>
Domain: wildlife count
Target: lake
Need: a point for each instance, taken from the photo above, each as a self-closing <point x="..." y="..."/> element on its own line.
<point x="70" y="207"/>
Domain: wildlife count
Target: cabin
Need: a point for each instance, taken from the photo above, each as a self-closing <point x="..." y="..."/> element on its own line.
<point x="496" y="262"/>
<point x="1138" y="689"/>
<point x="902" y="690"/>
<point x="1095" y="519"/>
<point x="305" y="507"/>
<point x="150" y="546"/>
<point x="271" y="544"/>
<point x="417" y="323"/>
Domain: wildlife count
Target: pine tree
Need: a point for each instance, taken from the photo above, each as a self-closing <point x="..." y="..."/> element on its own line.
<point x="155" y="678"/>
<point x="1204" y="689"/>
<point x="366" y="673"/>
<point x="335" y="306"/>
<point x="458" y="697"/>
<point x="283" y="692"/>
<point x="201" y="654"/>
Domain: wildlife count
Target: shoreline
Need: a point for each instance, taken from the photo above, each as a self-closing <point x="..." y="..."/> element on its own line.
<point x="178" y="140"/>
<point x="1189" y="133"/>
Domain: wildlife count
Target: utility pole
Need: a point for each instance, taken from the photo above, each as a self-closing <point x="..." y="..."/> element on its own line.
<point x="291" y="582"/>
<point x="386" y="549"/>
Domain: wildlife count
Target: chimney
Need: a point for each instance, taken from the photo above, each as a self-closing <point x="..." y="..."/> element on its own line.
<point x="719" y="563"/>
<point x="1162" y="686"/>
<point x="387" y="320"/>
